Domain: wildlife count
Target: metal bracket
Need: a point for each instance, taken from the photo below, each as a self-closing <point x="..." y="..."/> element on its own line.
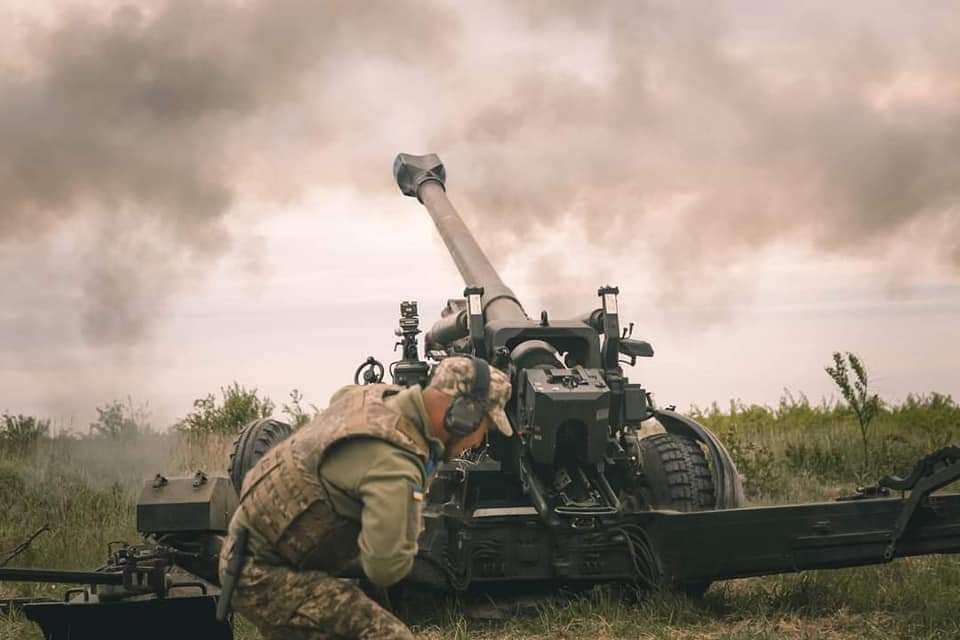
<point x="934" y="472"/>
<point x="82" y="591"/>
<point x="199" y="479"/>
<point x="475" y="319"/>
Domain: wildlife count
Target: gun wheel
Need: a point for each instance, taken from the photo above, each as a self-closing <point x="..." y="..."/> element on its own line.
<point x="676" y="476"/>
<point x="255" y="439"/>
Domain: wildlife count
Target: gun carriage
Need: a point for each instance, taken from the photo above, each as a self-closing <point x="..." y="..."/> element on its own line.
<point x="581" y="494"/>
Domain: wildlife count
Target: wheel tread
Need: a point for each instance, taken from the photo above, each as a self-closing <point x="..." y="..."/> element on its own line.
<point x="254" y="440"/>
<point x="688" y="480"/>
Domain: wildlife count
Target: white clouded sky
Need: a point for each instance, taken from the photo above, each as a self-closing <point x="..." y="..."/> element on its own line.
<point x="329" y="276"/>
<point x="765" y="186"/>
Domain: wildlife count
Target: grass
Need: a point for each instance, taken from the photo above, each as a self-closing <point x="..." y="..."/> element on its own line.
<point x="795" y="452"/>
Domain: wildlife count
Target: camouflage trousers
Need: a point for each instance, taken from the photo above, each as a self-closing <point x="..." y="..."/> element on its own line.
<point x="310" y="605"/>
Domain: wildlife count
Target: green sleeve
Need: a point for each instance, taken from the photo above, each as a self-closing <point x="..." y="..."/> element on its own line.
<point x="387" y="483"/>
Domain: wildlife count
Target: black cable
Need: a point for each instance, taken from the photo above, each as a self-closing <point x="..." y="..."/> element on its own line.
<point x="641" y="555"/>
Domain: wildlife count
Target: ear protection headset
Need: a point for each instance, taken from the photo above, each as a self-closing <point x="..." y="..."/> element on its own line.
<point x="467" y="411"/>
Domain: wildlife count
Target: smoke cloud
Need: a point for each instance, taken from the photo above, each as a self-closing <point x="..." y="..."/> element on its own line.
<point x="684" y="136"/>
<point x="138" y="126"/>
<point x="714" y="131"/>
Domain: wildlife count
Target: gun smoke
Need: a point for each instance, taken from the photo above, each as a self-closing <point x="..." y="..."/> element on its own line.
<point x="139" y="126"/>
<point x="693" y="136"/>
<point x="720" y="129"/>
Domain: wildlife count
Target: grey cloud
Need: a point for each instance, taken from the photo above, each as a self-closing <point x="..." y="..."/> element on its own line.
<point x="767" y="124"/>
<point x="129" y="119"/>
<point x="696" y="136"/>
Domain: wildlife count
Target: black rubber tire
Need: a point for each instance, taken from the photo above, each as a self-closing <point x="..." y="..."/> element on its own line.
<point x="676" y="473"/>
<point x="678" y="477"/>
<point x="255" y="439"/>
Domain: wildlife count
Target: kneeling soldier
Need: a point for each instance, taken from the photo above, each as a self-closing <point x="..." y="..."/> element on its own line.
<point x="351" y="483"/>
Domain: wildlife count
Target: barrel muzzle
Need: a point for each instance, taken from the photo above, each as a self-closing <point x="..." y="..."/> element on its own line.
<point x="423" y="177"/>
<point x="412" y="171"/>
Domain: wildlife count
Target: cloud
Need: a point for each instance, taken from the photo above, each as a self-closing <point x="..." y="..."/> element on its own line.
<point x="719" y="130"/>
<point x="137" y="122"/>
<point x="677" y="140"/>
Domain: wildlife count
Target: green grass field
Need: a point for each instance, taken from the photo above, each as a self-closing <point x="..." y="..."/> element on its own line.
<point x="85" y="489"/>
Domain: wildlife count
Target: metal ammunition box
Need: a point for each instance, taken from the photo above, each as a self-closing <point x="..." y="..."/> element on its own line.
<point x="194" y="503"/>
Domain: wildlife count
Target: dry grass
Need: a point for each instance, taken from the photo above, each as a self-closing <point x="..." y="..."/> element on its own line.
<point x="86" y="490"/>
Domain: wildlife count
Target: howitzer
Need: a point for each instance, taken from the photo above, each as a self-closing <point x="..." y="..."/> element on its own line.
<point x="582" y="493"/>
<point x="571" y="399"/>
<point x="553" y="502"/>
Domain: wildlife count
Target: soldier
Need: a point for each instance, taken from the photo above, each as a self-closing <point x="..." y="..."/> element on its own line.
<point x="350" y="484"/>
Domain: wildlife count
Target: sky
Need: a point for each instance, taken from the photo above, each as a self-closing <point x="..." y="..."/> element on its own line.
<point x="200" y="192"/>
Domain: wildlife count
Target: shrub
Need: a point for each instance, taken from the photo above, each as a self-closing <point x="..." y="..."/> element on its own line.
<point x="295" y="411"/>
<point x="755" y="462"/>
<point x="237" y="407"/>
<point x="121" y="420"/>
<point x="936" y="415"/>
<point x="897" y="454"/>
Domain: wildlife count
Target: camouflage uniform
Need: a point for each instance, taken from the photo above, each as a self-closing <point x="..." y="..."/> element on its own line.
<point x="283" y="603"/>
<point x="309" y="515"/>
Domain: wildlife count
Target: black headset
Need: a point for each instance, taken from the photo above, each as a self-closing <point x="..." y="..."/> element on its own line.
<point x="467" y="411"/>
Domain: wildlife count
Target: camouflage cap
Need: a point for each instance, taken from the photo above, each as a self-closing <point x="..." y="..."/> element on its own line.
<point x="454" y="377"/>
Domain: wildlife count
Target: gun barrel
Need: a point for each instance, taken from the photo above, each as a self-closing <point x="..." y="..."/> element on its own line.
<point x="424" y="178"/>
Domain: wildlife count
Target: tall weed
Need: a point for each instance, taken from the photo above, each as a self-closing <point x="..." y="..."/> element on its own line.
<point x="20" y="433"/>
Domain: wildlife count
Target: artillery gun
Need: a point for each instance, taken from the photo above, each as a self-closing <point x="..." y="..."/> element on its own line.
<point x="581" y="494"/>
<point x="550" y="503"/>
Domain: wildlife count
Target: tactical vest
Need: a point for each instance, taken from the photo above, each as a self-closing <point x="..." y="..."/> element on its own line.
<point x="283" y="498"/>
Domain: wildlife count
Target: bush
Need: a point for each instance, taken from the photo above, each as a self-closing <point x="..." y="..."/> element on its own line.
<point x="237" y="407"/>
<point x="897" y="454"/>
<point x="936" y="415"/>
<point x="755" y="462"/>
<point x="121" y="420"/>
